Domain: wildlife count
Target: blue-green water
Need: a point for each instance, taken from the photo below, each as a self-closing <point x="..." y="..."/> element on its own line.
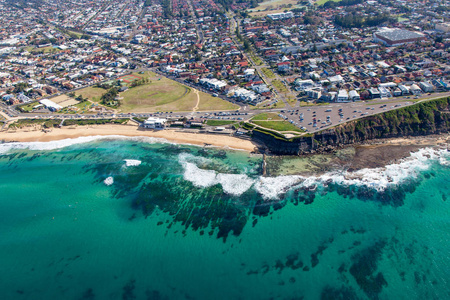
<point x="181" y="222"/>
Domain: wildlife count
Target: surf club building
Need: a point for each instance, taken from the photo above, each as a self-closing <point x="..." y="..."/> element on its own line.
<point x="154" y="123"/>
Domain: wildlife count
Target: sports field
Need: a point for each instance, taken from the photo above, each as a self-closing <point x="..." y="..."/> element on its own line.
<point x="129" y="78"/>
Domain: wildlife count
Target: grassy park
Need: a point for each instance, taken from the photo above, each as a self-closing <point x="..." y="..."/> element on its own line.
<point x="160" y="94"/>
<point x="321" y="2"/>
<point x="274" y="122"/>
<point x="272" y="6"/>
<point x="267" y="116"/>
<point x="279" y="86"/>
<point x="281" y="126"/>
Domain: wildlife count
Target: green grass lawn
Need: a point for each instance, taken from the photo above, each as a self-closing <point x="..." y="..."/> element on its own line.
<point x="44" y="50"/>
<point x="28" y="107"/>
<point x="268" y="73"/>
<point x="160" y="94"/>
<point x="320" y="2"/>
<point x="278" y="125"/>
<point x="209" y="103"/>
<point x="263" y="105"/>
<point x="279" y="86"/>
<point x="291" y="100"/>
<point x="256" y="59"/>
<point x="92" y="93"/>
<point x="267" y="116"/>
<point x="83" y="107"/>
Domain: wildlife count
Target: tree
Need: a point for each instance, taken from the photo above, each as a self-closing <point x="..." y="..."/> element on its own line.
<point x="109" y="98"/>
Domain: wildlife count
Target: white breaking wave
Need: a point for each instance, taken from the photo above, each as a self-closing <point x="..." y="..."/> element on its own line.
<point x="199" y="177"/>
<point x="132" y="162"/>
<point x="390" y="175"/>
<point x="273" y="187"/>
<point x="108" y="181"/>
<point x="234" y="184"/>
<point x="53" y="145"/>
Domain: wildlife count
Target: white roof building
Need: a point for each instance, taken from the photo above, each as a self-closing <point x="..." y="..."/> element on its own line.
<point x="50" y="104"/>
<point x="154" y="123"/>
<point x="354" y="95"/>
<point x="342" y="96"/>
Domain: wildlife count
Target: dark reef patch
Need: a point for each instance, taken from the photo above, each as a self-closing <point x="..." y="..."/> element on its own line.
<point x="364" y="267"/>
<point x="322" y="247"/>
<point x="128" y="290"/>
<point x="88" y="294"/>
<point x="342" y="293"/>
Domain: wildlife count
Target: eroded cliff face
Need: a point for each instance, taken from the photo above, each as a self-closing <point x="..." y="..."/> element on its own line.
<point x="422" y="119"/>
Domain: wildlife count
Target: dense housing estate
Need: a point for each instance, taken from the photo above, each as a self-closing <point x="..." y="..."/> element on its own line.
<point x="318" y="53"/>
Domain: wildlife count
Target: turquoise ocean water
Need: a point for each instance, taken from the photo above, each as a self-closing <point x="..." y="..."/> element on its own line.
<point x="139" y="219"/>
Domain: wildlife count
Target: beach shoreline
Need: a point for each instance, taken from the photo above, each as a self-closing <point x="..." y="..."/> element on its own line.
<point x="371" y="154"/>
<point x="37" y="134"/>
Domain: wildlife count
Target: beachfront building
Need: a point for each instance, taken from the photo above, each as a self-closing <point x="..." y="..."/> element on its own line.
<point x="154" y="123"/>
<point x="50" y="105"/>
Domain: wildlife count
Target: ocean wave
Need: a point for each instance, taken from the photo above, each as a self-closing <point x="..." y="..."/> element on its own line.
<point x="132" y="162"/>
<point x="59" y="144"/>
<point x="109" y="181"/>
<point x="272" y="187"/>
<point x="234" y="184"/>
<point x="390" y="175"/>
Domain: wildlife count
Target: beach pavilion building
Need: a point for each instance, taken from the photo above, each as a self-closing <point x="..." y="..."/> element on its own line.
<point x="154" y="123"/>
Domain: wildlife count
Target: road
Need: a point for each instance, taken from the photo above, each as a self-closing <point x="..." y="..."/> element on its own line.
<point x="311" y="118"/>
<point x="279" y="95"/>
<point x="194" y="18"/>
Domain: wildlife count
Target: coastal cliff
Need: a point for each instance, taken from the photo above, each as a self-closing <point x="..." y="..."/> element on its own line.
<point x="431" y="117"/>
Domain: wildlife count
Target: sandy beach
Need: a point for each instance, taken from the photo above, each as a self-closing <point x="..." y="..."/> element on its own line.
<point x="36" y="134"/>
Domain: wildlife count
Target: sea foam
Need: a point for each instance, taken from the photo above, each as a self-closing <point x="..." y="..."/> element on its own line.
<point x="273" y="187"/>
<point x="132" y="162"/>
<point x="109" y="180"/>
<point x="59" y="144"/>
